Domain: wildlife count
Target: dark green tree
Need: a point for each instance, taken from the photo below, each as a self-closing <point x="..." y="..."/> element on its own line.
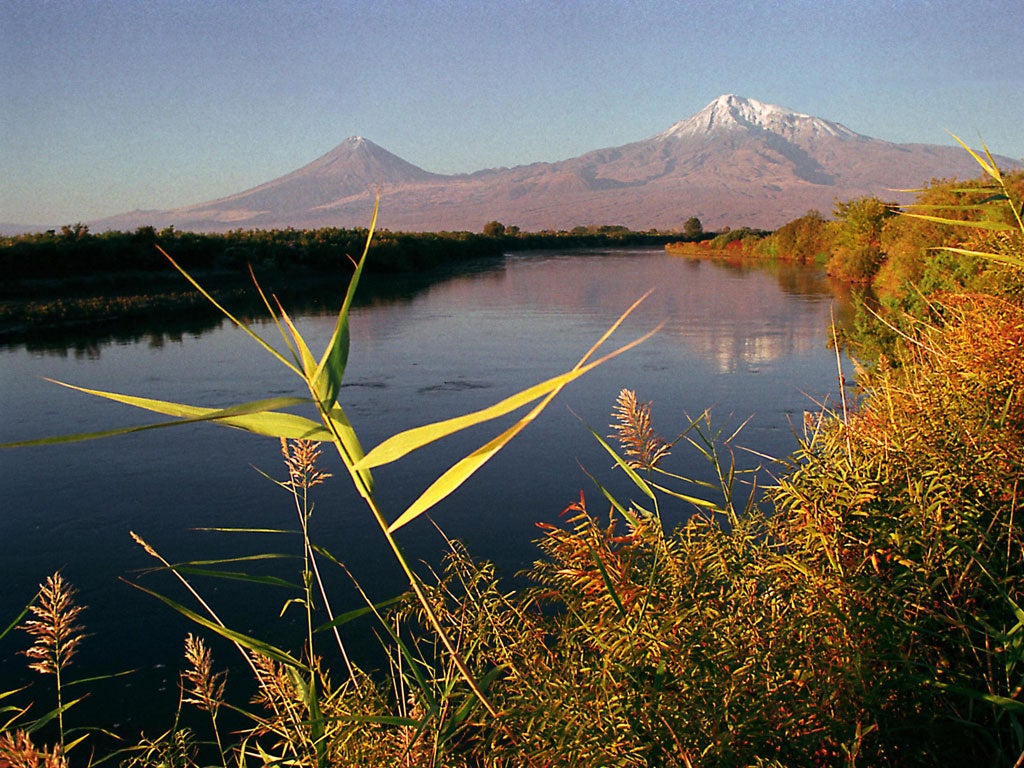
<point x="494" y="229"/>
<point x="693" y="228"/>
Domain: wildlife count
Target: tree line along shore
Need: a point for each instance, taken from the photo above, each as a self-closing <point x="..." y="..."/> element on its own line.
<point x="73" y="277"/>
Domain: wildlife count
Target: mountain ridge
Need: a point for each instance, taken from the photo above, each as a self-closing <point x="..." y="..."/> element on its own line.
<point x="737" y="162"/>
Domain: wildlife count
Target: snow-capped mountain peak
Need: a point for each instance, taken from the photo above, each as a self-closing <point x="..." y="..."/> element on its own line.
<point x="737" y="162"/>
<point x="730" y="112"/>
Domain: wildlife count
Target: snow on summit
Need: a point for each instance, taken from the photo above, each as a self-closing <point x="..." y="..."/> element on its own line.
<point x="730" y="112"/>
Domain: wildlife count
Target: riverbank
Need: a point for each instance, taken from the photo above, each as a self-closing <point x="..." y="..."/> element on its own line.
<point x="55" y="282"/>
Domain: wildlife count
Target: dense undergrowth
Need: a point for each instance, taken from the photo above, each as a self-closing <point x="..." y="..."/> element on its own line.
<point x="863" y="609"/>
<point x="75" y="253"/>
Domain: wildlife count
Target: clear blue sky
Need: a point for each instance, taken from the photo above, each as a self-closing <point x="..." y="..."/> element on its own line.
<point x="111" y="106"/>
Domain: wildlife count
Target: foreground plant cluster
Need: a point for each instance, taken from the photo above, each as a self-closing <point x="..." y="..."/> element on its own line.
<point x="865" y="608"/>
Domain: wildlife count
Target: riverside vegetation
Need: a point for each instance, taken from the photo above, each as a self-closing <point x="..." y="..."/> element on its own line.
<point x="864" y="608"/>
<point x="57" y="280"/>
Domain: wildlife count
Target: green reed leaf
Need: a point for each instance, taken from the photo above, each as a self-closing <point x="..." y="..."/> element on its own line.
<point x="980" y="205"/>
<point x="305" y="355"/>
<point x="407" y="722"/>
<point x="689" y="499"/>
<point x="331" y="369"/>
<point x="79" y="681"/>
<point x="463" y="469"/>
<point x="356" y="613"/>
<point x="399" y="445"/>
<point x="17" y="621"/>
<point x="222" y="560"/>
<point x="258" y="646"/>
<point x="997" y="226"/>
<point x="259" y="416"/>
<point x="997" y="257"/>
<point x="606" y="579"/>
<point x="344" y="435"/>
<point x="630" y="516"/>
<point x="270" y="581"/>
<point x="1003" y="702"/>
<point x="988" y="166"/>
<point x="631" y="473"/>
<point x="249" y="331"/>
<point x="52" y="715"/>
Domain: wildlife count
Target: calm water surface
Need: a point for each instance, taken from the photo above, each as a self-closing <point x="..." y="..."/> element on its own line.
<point x="746" y="342"/>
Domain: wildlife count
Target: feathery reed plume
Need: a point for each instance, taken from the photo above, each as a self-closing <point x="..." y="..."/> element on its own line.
<point x="641" y="444"/>
<point x="54" y="629"/>
<point x="200" y="685"/>
<point x="301" y="456"/>
<point x="18" y="751"/>
<point x="56" y="635"/>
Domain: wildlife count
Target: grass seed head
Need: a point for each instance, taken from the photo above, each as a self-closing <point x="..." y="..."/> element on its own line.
<point x="641" y="444"/>
<point x="56" y="634"/>
<point x="301" y="458"/>
<point x="18" y="751"/>
<point x="199" y="683"/>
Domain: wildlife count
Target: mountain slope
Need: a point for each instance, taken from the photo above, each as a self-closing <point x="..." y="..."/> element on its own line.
<point x="736" y="162"/>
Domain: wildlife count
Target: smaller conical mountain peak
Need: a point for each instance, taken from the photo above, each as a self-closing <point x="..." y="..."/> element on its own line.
<point x="358" y="158"/>
<point x="729" y="113"/>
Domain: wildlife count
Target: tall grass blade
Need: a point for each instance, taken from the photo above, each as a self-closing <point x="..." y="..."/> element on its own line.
<point x="989" y="167"/>
<point x="53" y="714"/>
<point x="357" y="613"/>
<point x="406" y="442"/>
<point x="996" y="226"/>
<point x="628" y="514"/>
<point x="606" y="579"/>
<point x="270" y="581"/>
<point x="688" y="499"/>
<point x="252" y="334"/>
<point x="462" y="470"/>
<point x="631" y="473"/>
<point x="980" y="205"/>
<point x="259" y="416"/>
<point x="331" y="369"/>
<point x="997" y="257"/>
<point x="345" y="436"/>
<point x="238" y="638"/>
<point x="304" y="353"/>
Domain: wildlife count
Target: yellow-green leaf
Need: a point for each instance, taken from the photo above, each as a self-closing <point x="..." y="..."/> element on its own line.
<point x="255" y="336"/>
<point x="989" y="167"/>
<point x="260" y="417"/>
<point x="997" y="257"/>
<point x="399" y="445"/>
<point x="993" y="225"/>
<point x="308" y="361"/>
<point x="631" y="473"/>
<point x="331" y="369"/>
<point x="462" y="470"/>
<point x="337" y="422"/>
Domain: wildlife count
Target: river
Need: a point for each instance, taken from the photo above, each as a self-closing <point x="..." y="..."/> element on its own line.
<point x="745" y="341"/>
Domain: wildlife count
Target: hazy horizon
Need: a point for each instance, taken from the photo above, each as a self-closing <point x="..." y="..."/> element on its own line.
<point x="115" y="106"/>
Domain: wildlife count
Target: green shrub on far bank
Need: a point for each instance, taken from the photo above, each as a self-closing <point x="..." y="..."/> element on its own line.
<point x="74" y="252"/>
